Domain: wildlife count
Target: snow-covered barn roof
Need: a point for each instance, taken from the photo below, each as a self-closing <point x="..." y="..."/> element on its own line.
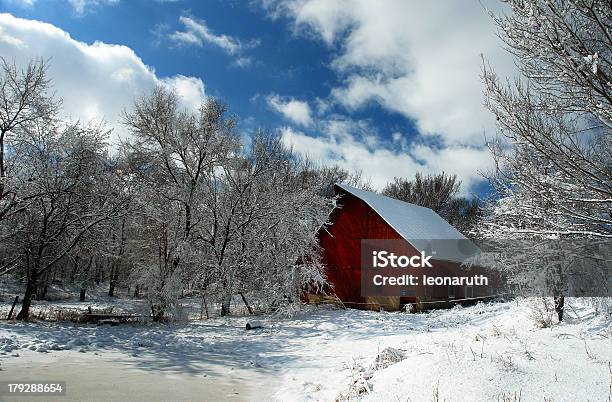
<point x="418" y="225"/>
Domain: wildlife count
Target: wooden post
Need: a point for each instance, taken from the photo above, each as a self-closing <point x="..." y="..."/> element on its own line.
<point x="13" y="307"/>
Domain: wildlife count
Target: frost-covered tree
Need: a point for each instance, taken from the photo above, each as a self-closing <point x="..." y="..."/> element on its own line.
<point x="56" y="185"/>
<point x="328" y="176"/>
<point x="25" y="100"/>
<point x="173" y="152"/>
<point x="184" y="204"/>
<point x="63" y="193"/>
<point x="215" y="213"/>
<point x="553" y="159"/>
<point x="81" y="264"/>
<point x="261" y="235"/>
<point x="438" y="192"/>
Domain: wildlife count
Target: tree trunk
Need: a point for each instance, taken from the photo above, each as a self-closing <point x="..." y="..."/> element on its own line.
<point x="114" y="278"/>
<point x="98" y="270"/>
<point x="82" y="294"/>
<point x="43" y="291"/>
<point x="559" y="306"/>
<point x="115" y="265"/>
<point x="227" y="298"/>
<point x="137" y="291"/>
<point x="227" y="302"/>
<point x="157" y="313"/>
<point x="111" y="288"/>
<point x="246" y="303"/>
<point x="75" y="268"/>
<point x="41" y="288"/>
<point x="24" y="313"/>
<point x="204" y="308"/>
<point x="10" y="315"/>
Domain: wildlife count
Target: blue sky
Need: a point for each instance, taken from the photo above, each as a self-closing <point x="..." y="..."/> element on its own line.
<point x="389" y="88"/>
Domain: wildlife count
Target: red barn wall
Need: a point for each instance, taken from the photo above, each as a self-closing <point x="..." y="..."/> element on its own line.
<point x="341" y="245"/>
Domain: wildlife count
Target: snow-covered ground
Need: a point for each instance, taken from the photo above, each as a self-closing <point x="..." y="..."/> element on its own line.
<point x="486" y="352"/>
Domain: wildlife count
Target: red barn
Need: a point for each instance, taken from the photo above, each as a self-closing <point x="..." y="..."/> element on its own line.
<point x="363" y="215"/>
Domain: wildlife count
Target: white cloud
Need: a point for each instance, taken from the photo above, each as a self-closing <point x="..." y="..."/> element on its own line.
<point x="189" y="89"/>
<point x="344" y="143"/>
<point x="292" y="109"/>
<point x="322" y="105"/>
<point x="82" y="7"/>
<point x="96" y="81"/>
<point x="243" y="62"/>
<point x="197" y="33"/>
<point x="420" y="59"/>
<point x="22" y="3"/>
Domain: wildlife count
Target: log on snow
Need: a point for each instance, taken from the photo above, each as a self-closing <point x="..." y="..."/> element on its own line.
<point x="253" y="325"/>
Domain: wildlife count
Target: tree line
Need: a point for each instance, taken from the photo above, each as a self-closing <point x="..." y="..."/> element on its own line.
<point x="182" y="203"/>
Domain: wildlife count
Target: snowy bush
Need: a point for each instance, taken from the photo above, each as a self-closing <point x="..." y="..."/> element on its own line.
<point x="387" y="357"/>
<point x="542" y="311"/>
<point x="602" y="305"/>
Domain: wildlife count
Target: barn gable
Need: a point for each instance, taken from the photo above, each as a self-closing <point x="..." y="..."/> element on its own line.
<point x="414" y="223"/>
